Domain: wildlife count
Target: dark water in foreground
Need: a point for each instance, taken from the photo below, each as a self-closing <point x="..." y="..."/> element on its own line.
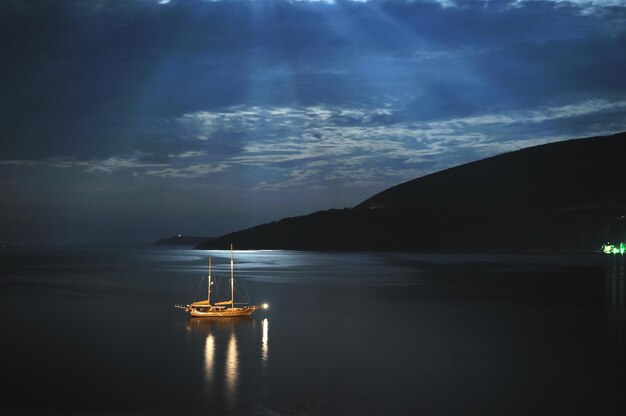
<point x="88" y="331"/>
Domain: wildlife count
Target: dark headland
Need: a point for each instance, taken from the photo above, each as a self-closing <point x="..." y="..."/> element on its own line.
<point x="565" y="195"/>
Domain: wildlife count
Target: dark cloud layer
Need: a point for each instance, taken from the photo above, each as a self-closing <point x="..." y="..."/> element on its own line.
<point x="299" y="105"/>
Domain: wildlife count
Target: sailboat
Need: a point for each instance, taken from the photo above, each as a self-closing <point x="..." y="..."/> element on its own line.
<point x="227" y="308"/>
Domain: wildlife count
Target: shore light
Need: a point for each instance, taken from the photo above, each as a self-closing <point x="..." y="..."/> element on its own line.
<point x="609" y="248"/>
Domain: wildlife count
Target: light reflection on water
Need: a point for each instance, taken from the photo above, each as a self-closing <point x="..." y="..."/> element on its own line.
<point x="231" y="371"/>
<point x="364" y="268"/>
<point x="284" y="266"/>
<point x="264" y="342"/>
<point x="615" y="287"/>
<point x="209" y="358"/>
<point x="223" y="354"/>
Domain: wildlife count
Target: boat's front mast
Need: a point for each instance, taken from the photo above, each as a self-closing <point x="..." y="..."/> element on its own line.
<point x="232" y="278"/>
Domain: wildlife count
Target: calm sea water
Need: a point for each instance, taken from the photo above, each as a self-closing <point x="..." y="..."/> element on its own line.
<point x="94" y="331"/>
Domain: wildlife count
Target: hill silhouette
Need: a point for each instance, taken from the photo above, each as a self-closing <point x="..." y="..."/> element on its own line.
<point x="564" y="195"/>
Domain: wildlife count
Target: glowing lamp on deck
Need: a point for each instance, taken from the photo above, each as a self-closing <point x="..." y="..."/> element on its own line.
<point x="265" y="306"/>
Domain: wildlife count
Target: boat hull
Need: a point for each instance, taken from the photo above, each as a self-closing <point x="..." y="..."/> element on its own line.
<point x="223" y="313"/>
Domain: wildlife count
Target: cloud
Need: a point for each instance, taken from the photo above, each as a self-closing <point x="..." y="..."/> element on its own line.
<point x="538" y="115"/>
<point x="193" y="171"/>
<point x="108" y="165"/>
<point x="323" y="146"/>
<point x="188" y="154"/>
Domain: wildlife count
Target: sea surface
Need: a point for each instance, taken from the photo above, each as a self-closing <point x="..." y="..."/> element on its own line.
<point x="94" y="331"/>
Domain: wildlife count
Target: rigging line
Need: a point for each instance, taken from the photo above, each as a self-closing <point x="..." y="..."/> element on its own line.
<point x="216" y="281"/>
<point x="198" y="287"/>
<point x="245" y="289"/>
<point x="246" y="297"/>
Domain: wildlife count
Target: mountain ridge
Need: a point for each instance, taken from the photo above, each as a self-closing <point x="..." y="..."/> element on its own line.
<point x="563" y="195"/>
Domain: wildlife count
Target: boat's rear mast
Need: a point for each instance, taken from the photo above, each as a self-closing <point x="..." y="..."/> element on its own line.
<point x="209" y="289"/>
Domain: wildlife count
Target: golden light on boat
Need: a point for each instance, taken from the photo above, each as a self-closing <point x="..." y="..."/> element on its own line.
<point x="265" y="306"/>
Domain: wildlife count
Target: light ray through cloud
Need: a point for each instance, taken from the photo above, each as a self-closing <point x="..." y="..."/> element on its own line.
<point x="276" y="108"/>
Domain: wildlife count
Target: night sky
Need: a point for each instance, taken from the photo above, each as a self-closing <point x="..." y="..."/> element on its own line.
<point x="127" y="121"/>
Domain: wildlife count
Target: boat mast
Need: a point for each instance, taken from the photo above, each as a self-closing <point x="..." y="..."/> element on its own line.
<point x="232" y="278"/>
<point x="208" y="302"/>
